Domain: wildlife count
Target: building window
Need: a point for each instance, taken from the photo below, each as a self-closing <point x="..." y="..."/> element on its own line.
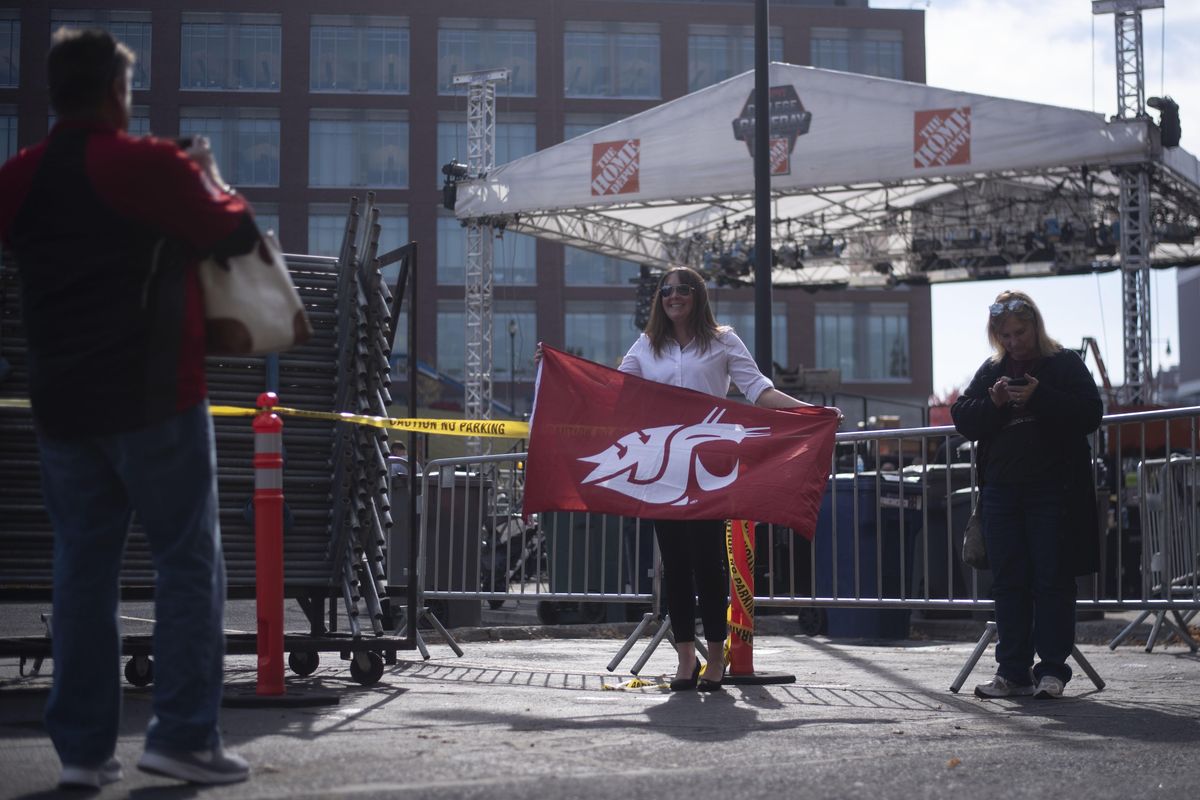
<point x="230" y="52"/>
<point x="739" y="315"/>
<point x="245" y="141"/>
<point x="866" y="341"/>
<point x="612" y="60"/>
<point x="139" y="121"/>
<point x="514" y="256"/>
<point x="10" y="47"/>
<point x="512" y="353"/>
<point x="358" y="54"/>
<point x="831" y="53"/>
<point x="586" y="268"/>
<point x="514" y="260"/>
<point x="130" y="27"/>
<point x="8" y="132"/>
<point x="327" y="227"/>
<point x="467" y="45"/>
<point x="399" y="359"/>
<point x="719" y="52"/>
<point x="452" y="339"/>
<point x="578" y="124"/>
<point x="516" y="137"/>
<point x="358" y="148"/>
<point x="867" y="51"/>
<point x="599" y="330"/>
<point x="267" y="217"/>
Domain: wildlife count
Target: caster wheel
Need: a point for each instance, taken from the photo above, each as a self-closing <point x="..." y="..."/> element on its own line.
<point x="303" y="662"/>
<point x="547" y="612"/>
<point x="592" y="613"/>
<point x="139" y="670"/>
<point x="369" y="674"/>
<point x="812" y="621"/>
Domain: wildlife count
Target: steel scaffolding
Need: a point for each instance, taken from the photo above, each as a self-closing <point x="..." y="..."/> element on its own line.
<point x="481" y="159"/>
<point x="1136" y="239"/>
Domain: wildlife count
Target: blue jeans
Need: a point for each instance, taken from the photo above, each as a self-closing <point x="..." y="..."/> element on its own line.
<point x="1032" y="584"/>
<point x="92" y="486"/>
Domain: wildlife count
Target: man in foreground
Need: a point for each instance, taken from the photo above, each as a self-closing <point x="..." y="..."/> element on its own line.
<point x="107" y="230"/>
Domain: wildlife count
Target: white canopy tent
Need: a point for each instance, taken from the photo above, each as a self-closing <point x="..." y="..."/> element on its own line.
<point x="874" y="182"/>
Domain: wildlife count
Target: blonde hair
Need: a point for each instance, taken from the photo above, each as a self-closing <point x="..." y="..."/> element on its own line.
<point x="1026" y="311"/>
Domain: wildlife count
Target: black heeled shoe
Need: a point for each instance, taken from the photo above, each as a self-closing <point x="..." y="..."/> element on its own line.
<point x="685" y="684"/>
<point x="707" y="685"/>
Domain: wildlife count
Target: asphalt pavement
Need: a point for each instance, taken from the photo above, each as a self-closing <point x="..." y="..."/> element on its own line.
<point x="532" y="712"/>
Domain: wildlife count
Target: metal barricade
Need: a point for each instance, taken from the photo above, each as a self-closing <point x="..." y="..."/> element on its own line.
<point x="1170" y="506"/>
<point x="887" y="541"/>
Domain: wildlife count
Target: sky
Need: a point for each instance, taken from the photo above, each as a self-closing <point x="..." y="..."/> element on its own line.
<point x="1055" y="52"/>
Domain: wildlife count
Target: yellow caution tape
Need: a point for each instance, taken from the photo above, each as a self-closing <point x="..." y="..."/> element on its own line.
<point x="634" y="683"/>
<point x="503" y="428"/>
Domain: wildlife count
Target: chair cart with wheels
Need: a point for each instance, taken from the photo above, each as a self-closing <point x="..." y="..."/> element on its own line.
<point x="337" y="508"/>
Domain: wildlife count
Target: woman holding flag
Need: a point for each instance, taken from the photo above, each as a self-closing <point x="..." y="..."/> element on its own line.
<point x="683" y="345"/>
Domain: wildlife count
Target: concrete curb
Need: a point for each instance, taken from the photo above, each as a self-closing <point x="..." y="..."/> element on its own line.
<point x="1098" y="631"/>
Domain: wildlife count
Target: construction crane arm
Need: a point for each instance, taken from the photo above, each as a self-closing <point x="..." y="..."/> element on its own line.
<point x="1090" y="345"/>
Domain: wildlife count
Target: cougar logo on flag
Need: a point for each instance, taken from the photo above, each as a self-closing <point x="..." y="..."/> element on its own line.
<point x="656" y="465"/>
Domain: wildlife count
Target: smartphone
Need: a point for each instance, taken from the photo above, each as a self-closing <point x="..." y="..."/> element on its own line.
<point x="1018" y="381"/>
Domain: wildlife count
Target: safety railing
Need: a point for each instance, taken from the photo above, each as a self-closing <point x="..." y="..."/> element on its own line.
<point x="888" y="536"/>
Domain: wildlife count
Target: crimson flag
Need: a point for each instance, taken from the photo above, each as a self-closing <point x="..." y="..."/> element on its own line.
<point x="612" y="443"/>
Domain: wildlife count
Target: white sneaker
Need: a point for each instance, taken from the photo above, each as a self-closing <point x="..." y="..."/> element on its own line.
<point x="73" y="777"/>
<point x="1049" y="688"/>
<point x="1000" y="686"/>
<point x="214" y="766"/>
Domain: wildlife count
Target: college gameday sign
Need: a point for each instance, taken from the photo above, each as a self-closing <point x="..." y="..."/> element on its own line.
<point x="788" y="120"/>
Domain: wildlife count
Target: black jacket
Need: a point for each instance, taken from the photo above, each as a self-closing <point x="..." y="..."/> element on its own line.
<point x="1067" y="408"/>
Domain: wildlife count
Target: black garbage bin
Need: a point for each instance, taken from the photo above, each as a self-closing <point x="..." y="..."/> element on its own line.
<point x="873" y="539"/>
<point x="782" y="562"/>
<point x="938" y="569"/>
<point x="597" y="554"/>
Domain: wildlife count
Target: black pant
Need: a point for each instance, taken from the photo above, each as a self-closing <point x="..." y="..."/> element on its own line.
<point x="694" y="550"/>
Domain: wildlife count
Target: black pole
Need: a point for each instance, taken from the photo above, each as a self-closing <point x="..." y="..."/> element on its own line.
<point x="413" y="451"/>
<point x="762" y="192"/>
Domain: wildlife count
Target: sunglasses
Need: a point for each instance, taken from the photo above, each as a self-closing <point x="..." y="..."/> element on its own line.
<point x="1016" y="304"/>
<point x="683" y="290"/>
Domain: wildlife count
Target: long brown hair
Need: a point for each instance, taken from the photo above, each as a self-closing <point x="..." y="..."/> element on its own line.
<point x="703" y="323"/>
<point x="1021" y="306"/>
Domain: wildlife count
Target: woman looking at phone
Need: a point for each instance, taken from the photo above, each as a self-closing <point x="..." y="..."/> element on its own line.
<point x="1031" y="406"/>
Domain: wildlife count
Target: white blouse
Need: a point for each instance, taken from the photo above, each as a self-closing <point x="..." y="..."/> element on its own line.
<point x="709" y="372"/>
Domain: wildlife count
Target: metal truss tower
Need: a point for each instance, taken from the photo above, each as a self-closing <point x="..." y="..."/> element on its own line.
<point x="481" y="159"/>
<point x="1136" y="237"/>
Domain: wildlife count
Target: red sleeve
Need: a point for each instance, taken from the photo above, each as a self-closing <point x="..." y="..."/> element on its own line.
<point x="152" y="181"/>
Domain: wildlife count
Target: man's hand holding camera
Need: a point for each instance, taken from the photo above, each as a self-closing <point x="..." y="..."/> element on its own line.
<point x="199" y="150"/>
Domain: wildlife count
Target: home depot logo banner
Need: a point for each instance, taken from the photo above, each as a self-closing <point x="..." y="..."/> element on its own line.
<point x="611" y="443"/>
<point x="942" y="137"/>
<point x="615" y="166"/>
<point x="781" y="161"/>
